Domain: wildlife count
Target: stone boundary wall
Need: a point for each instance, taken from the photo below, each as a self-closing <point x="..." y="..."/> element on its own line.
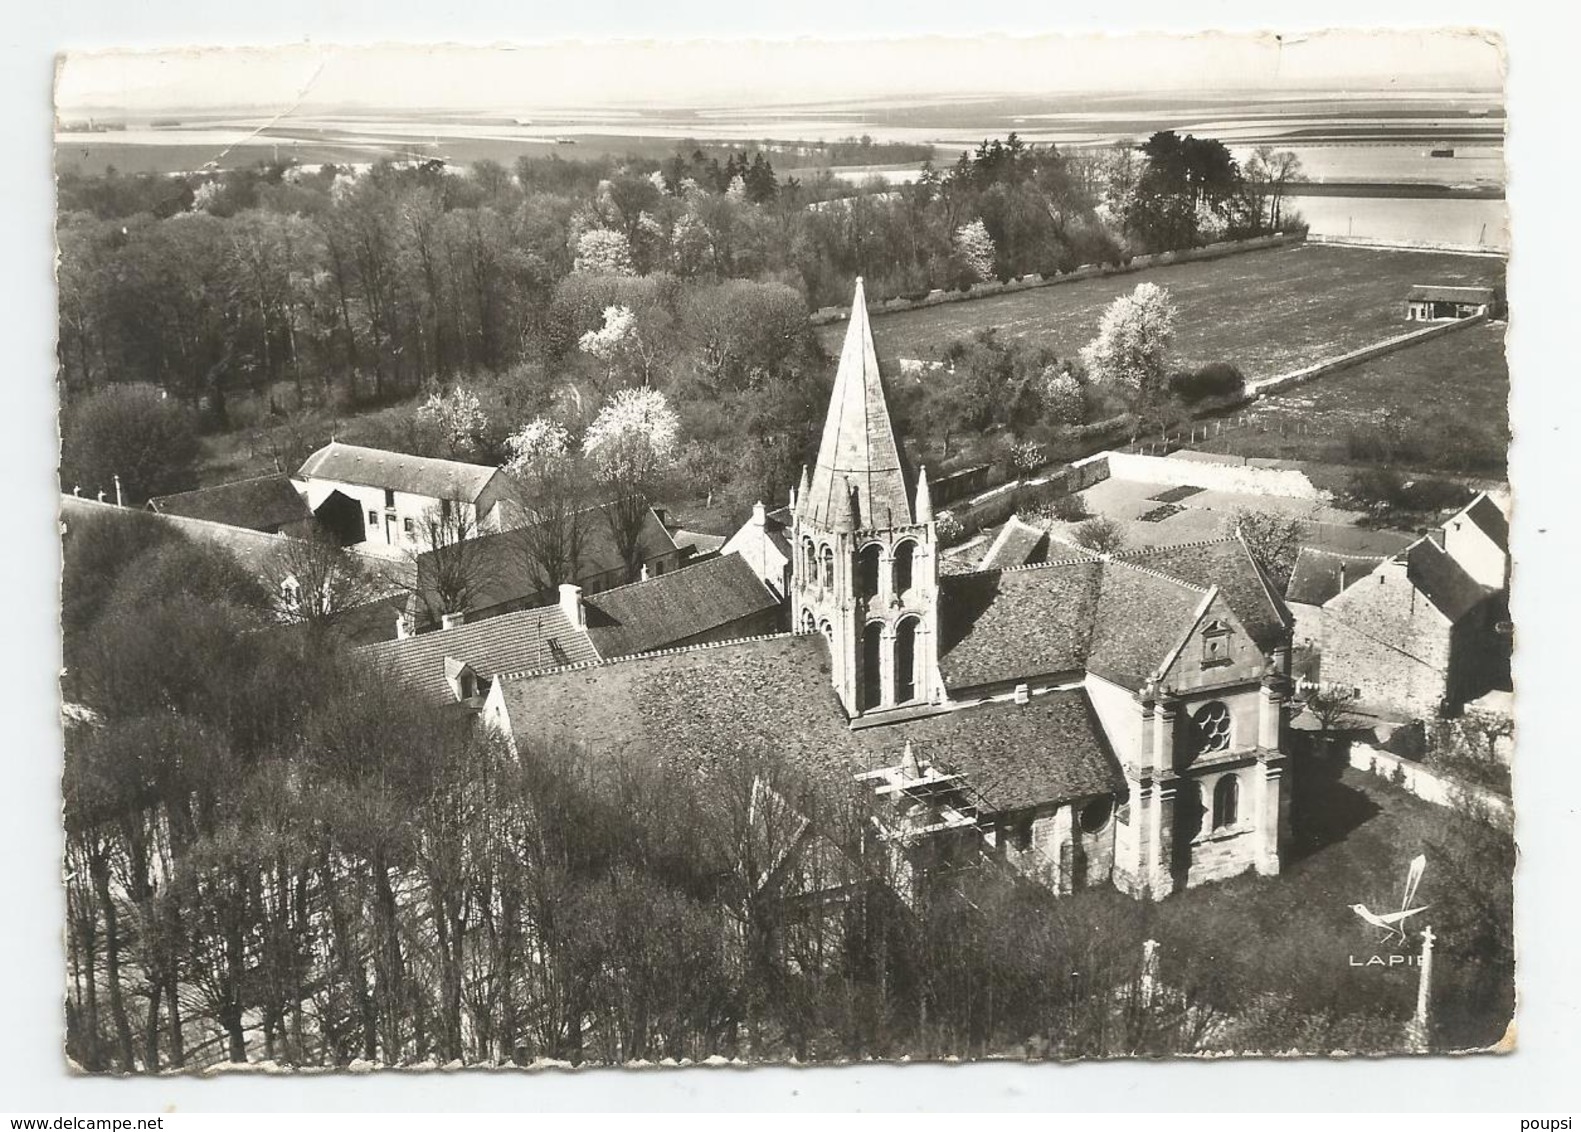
<point x="1409" y="245"/>
<point x="1283" y="381"/>
<point x="1228" y="476"/>
<point x="1417" y="779"/>
<point x="825" y="315"/>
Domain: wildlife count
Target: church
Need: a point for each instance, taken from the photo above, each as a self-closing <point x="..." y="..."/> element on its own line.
<point x="1093" y="720"/>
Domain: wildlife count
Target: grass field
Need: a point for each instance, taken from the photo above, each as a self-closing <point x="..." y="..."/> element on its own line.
<point x="1267" y="312"/>
<point x="1462" y="377"/>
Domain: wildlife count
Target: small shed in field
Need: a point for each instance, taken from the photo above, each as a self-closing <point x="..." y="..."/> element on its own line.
<point x="1432" y="303"/>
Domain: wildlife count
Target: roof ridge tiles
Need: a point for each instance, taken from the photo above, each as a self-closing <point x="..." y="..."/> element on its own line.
<point x="1338" y="553"/>
<point x="1118" y="561"/>
<point x="1144" y="551"/>
<point x="709" y="563"/>
<point x="1072" y="561"/>
<point x="675" y="650"/>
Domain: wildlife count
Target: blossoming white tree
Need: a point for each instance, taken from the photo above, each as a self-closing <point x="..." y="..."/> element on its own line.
<point x="535" y="445"/>
<point x="630" y="445"/>
<point x="1132" y="347"/>
<point x="1063" y="396"/>
<point x="551" y="488"/>
<point x="976" y="248"/>
<point x="458" y="417"/>
<point x="603" y="251"/>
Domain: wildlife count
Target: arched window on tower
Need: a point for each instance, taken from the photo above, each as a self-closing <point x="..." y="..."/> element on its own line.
<point x="1226" y="802"/>
<point x="826" y="568"/>
<point x="872" y="665"/>
<point x="906" y="660"/>
<point x="904" y="553"/>
<point x="867" y="564"/>
<point x="806" y="621"/>
<point x="809" y="562"/>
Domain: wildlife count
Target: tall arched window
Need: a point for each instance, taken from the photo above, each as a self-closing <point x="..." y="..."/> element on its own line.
<point x="906" y="660"/>
<point x="904" y="553"/>
<point x="872" y="665"/>
<point x="809" y="562"/>
<point x="806" y="621"/>
<point x="826" y="568"/>
<point x="1226" y="802"/>
<point x="867" y="563"/>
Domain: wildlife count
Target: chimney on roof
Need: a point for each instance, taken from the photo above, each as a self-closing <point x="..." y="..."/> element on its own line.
<point x="571" y="605"/>
<point x="1023" y="694"/>
<point x="1342" y="576"/>
<point x="451" y="620"/>
<point x="760" y="515"/>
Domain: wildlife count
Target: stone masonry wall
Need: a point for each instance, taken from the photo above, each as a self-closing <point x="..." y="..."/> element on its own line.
<point x="1385" y="638"/>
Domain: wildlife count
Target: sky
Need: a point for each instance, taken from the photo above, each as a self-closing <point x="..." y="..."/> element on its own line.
<point x="766" y="72"/>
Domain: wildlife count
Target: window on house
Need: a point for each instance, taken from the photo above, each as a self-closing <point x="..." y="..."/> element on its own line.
<point x="1215" y="644"/>
<point x="1212" y="724"/>
<point x="906" y="660"/>
<point x="1226" y="802"/>
<point x="373" y="518"/>
<point x="872" y="665"/>
<point x="389" y="497"/>
<point x="903" y="556"/>
<point x="867" y="570"/>
<point x="444" y="510"/>
<point x="1095" y="815"/>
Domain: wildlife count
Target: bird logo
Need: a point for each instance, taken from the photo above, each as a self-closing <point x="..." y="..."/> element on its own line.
<point x="1393" y="923"/>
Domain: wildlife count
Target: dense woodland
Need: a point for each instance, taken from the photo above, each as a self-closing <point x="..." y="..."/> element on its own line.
<point x="301" y="301"/>
<point x="298" y="862"/>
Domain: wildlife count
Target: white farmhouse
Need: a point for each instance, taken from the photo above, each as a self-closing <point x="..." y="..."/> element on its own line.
<point x="370" y="495"/>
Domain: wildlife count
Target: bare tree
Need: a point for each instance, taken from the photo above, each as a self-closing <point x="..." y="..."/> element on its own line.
<point x="1273" y="539"/>
<point x="454" y="561"/>
<point x="316" y="582"/>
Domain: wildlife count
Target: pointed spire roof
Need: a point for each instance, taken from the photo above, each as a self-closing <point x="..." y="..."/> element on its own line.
<point x="858" y="444"/>
<point x="924" y="507"/>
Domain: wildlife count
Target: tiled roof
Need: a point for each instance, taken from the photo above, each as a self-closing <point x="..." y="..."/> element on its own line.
<point x="701" y="709"/>
<point x="997" y="625"/>
<point x="1118" y="618"/>
<point x="1225" y="563"/>
<point x="697" y="544"/>
<point x="1142" y="616"/>
<point x="397" y="471"/>
<point x="264" y="503"/>
<point x="858" y="453"/>
<point x="1428" y="292"/>
<point x="515" y="642"/>
<point x="1441" y="579"/>
<point x="661" y="611"/>
<point x="1490" y="519"/>
<point x="253" y="549"/>
<point x="502" y="565"/>
<point x="1017" y="544"/>
<point x="1317" y="573"/>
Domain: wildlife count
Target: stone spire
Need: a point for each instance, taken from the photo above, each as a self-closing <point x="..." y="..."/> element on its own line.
<point x="858" y="444"/>
<point x="924" y="508"/>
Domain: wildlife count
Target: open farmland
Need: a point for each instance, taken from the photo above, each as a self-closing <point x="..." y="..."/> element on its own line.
<point x="1267" y="312"/>
<point x="1450" y="395"/>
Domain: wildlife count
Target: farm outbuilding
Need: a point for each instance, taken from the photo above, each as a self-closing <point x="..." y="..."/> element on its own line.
<point x="1429" y="303"/>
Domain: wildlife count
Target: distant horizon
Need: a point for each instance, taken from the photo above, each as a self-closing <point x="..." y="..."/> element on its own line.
<point x="712" y="75"/>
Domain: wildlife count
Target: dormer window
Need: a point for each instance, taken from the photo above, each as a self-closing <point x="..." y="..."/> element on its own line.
<point x="1215" y="644"/>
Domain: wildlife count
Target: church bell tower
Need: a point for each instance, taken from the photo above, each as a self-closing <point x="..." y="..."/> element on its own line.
<point x="865" y="566"/>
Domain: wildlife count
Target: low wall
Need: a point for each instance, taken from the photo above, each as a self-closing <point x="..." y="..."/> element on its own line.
<point x="1284" y="381"/>
<point x="1418" y="780"/>
<point x="1410" y="245"/>
<point x="1215" y="476"/>
<point x="825" y="315"/>
<point x="998" y="504"/>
